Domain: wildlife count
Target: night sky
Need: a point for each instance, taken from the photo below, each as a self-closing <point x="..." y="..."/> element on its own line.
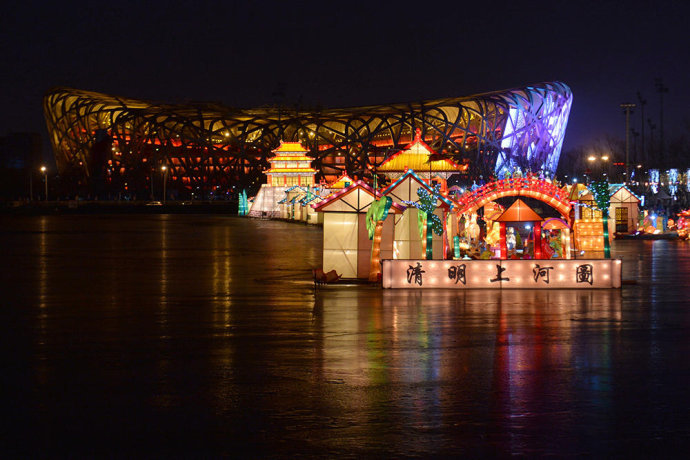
<point x="338" y="54"/>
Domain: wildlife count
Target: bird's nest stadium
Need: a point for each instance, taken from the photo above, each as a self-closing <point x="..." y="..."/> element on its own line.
<point x="108" y="144"/>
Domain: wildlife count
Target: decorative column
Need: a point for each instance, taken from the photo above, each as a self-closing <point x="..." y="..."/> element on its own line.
<point x="502" y="233"/>
<point x="537" y="240"/>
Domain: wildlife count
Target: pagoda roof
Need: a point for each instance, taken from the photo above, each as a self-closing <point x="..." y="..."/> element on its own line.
<point x="418" y="156"/>
<point x="290" y="147"/>
<point x="289" y="170"/>
<point x="291" y="158"/>
<point x="519" y="212"/>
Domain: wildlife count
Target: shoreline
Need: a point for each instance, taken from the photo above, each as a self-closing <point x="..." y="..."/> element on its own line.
<point x="117" y="207"/>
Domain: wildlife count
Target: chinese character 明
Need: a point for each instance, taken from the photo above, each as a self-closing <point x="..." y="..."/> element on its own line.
<point x="499" y="271"/>
<point x="541" y="272"/>
<point x="585" y="274"/>
<point x="457" y="273"/>
<point x="415" y="273"/>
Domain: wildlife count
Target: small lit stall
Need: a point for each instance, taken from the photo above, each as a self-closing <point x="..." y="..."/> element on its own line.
<point x="559" y="237"/>
<point x="307" y="203"/>
<point x="518" y="214"/>
<point x="408" y="237"/>
<point x="624" y="210"/>
<point x="346" y="244"/>
<point x="290" y="209"/>
<point x="587" y="223"/>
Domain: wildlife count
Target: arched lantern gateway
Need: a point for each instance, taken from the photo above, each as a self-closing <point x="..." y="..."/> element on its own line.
<point x="532" y="187"/>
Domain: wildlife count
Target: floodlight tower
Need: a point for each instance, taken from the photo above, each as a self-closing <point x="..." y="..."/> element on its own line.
<point x="643" y="148"/>
<point x="627" y="107"/>
<point x="661" y="89"/>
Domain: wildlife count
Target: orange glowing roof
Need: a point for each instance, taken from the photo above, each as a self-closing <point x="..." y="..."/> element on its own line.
<point x="416" y="157"/>
<point x="519" y="212"/>
<point x="341" y="182"/>
<point x="289" y="170"/>
<point x="290" y="147"/>
<point x="291" y="158"/>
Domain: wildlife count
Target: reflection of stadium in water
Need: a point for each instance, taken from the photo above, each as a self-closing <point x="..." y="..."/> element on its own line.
<point x="108" y="141"/>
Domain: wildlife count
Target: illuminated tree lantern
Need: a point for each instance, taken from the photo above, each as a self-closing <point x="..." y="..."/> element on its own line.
<point x="429" y="223"/>
<point x="376" y="216"/>
<point x="242" y="205"/>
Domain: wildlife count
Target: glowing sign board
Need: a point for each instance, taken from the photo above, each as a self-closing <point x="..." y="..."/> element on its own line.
<point x="502" y="274"/>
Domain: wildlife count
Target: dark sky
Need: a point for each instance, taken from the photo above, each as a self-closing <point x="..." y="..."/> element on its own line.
<point x="349" y="53"/>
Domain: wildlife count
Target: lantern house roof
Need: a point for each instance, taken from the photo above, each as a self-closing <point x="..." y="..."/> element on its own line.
<point x="519" y="211"/>
<point x="419" y="157"/>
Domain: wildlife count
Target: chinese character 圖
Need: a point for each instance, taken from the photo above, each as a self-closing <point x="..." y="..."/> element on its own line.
<point x="541" y="272"/>
<point x="585" y="274"/>
<point x="415" y="273"/>
<point x="457" y="273"/>
<point x="499" y="271"/>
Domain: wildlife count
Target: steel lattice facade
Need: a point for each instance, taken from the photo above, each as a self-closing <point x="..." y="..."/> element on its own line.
<point x="107" y="141"/>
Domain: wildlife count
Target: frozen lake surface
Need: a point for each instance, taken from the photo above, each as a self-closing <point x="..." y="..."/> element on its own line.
<point x="187" y="335"/>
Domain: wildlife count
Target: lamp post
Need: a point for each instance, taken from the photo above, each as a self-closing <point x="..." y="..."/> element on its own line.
<point x="164" y="171"/>
<point x="44" y="170"/>
<point x="627" y="107"/>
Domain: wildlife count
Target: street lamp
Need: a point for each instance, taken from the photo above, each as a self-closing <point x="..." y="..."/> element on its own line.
<point x="44" y="170"/>
<point x="164" y="171"/>
<point x="603" y="166"/>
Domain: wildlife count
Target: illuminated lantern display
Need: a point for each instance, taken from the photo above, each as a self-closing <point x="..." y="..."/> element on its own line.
<point x="502" y="274"/>
<point x="654" y="180"/>
<point x="346" y="244"/>
<point x="408" y="241"/>
<point x="560" y="225"/>
<point x="376" y="215"/>
<point x="242" y="205"/>
<point x="418" y="156"/>
<point x="600" y="191"/>
<point x="309" y="215"/>
<point x="673" y="181"/>
<point x="290" y="167"/>
<point x="625" y="208"/>
<point x="289" y="206"/>
<point x="340" y="183"/>
<point x="587" y="222"/>
<point x="428" y="221"/>
<point x="519" y="212"/>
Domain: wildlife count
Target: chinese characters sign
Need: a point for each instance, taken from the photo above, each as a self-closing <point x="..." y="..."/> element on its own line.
<point x="503" y="274"/>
